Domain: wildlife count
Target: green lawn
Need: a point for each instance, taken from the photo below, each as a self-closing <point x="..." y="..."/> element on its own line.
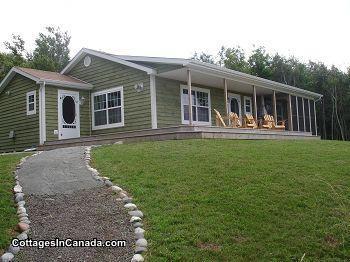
<point x="8" y="217"/>
<point x="227" y="200"/>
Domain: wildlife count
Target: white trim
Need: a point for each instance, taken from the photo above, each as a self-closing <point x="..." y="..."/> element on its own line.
<point x="77" y="111"/>
<point x="297" y="107"/>
<point x="315" y="117"/>
<point x="238" y="98"/>
<point x="106" y="91"/>
<point x="153" y="94"/>
<point x="31" y="93"/>
<point x="59" y="83"/>
<point x="310" y="122"/>
<point x="251" y="104"/>
<point x="165" y="60"/>
<point x="193" y="88"/>
<point x="113" y="58"/>
<point x="42" y="114"/>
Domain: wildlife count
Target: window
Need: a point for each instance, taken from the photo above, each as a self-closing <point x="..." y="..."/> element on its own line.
<point x="31" y="103"/>
<point x="200" y="106"/>
<point x="107" y="108"/>
<point x="247" y="105"/>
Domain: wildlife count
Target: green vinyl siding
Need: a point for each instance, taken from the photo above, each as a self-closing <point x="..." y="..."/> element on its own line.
<point x="13" y="116"/>
<point x="51" y="97"/>
<point x="103" y="75"/>
<point x="169" y="101"/>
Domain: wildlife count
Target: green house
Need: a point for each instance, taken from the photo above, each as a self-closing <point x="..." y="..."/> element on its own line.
<point x="100" y="96"/>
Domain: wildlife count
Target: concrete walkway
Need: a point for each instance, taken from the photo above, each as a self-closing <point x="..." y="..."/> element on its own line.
<point x="56" y="171"/>
<point x="64" y="201"/>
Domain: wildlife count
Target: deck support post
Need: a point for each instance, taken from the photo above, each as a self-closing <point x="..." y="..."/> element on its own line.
<point x="189" y="87"/>
<point x="255" y="104"/>
<point x="297" y="107"/>
<point x="290" y="114"/>
<point x="308" y="101"/>
<point x="274" y="107"/>
<point x="226" y="100"/>
<point x="302" y="99"/>
<point x="315" y="117"/>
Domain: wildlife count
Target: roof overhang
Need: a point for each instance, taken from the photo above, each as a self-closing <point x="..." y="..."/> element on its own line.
<point x="83" y="52"/>
<point x="14" y="71"/>
<point x="250" y="79"/>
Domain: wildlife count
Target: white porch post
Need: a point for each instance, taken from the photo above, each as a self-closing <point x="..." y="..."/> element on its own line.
<point x="302" y="99"/>
<point x="226" y="101"/>
<point x="297" y="106"/>
<point x="274" y="107"/>
<point x="290" y="114"/>
<point x="315" y="117"/>
<point x="255" y="104"/>
<point x="308" y="101"/>
<point x="189" y="87"/>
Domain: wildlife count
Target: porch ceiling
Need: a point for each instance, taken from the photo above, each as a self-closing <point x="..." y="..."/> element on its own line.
<point x="213" y="81"/>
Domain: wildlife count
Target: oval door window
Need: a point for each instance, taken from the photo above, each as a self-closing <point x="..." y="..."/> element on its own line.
<point x="234" y="106"/>
<point x="68" y="106"/>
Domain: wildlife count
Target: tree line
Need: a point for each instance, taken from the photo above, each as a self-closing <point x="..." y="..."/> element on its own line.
<point x="333" y="110"/>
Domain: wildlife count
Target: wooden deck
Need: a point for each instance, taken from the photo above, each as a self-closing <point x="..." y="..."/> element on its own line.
<point x="176" y="133"/>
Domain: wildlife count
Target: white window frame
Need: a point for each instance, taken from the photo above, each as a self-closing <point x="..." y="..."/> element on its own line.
<point x="105" y="92"/>
<point x="186" y="122"/>
<point x="245" y="104"/>
<point x="31" y="93"/>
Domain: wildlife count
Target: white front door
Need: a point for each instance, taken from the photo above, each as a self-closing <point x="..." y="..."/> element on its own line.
<point x="235" y="104"/>
<point x="68" y="114"/>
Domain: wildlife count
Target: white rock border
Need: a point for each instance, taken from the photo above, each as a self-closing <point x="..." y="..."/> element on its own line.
<point x="136" y="215"/>
<point x="24" y="221"/>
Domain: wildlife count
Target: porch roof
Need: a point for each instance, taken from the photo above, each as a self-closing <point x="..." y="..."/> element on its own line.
<point x="213" y="75"/>
<point x="47" y="77"/>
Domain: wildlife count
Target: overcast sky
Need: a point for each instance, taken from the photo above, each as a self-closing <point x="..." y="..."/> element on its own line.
<point x="317" y="30"/>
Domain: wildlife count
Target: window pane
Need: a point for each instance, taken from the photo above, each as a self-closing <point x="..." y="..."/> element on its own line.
<point x="114" y="115"/>
<point x="114" y="99"/>
<point x="31" y="107"/>
<point x="100" y="102"/>
<point x="203" y="114"/>
<point x="186" y="113"/>
<point x="31" y="99"/>
<point x="100" y="118"/>
<point x="202" y="99"/>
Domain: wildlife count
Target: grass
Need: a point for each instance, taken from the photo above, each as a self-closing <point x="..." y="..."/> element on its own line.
<point x="8" y="217"/>
<point x="224" y="200"/>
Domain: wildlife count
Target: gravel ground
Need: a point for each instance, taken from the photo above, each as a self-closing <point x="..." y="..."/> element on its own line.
<point x="86" y="214"/>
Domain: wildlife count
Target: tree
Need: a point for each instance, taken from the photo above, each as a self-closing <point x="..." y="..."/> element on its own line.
<point x="203" y="57"/>
<point x="260" y="63"/>
<point x="234" y="58"/>
<point x="52" y="50"/>
<point x="14" y="58"/>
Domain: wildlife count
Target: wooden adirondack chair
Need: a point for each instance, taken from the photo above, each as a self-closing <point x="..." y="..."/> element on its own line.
<point x="218" y="119"/>
<point x="270" y="121"/>
<point x="235" y="122"/>
<point x="249" y="121"/>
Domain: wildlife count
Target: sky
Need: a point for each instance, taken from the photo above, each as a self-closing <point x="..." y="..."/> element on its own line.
<point x="308" y="29"/>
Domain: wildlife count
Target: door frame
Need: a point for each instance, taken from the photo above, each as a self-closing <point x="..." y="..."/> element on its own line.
<point x="251" y="104"/>
<point x="77" y="110"/>
<point x="239" y="100"/>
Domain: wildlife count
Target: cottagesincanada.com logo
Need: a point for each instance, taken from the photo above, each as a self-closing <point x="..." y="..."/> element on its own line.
<point x="41" y="244"/>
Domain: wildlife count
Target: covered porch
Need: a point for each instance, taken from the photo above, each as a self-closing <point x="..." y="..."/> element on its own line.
<point x="242" y="94"/>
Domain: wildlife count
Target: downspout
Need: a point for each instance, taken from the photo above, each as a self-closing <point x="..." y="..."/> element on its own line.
<point x="42" y="113"/>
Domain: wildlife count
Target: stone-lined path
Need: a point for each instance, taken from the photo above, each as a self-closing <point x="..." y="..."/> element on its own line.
<point x="64" y="201"/>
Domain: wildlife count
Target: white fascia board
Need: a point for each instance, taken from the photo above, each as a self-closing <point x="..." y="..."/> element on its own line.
<point x="11" y="74"/>
<point x="172" y="61"/>
<point x="112" y="58"/>
<point x="66" y="84"/>
<point x="249" y="79"/>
